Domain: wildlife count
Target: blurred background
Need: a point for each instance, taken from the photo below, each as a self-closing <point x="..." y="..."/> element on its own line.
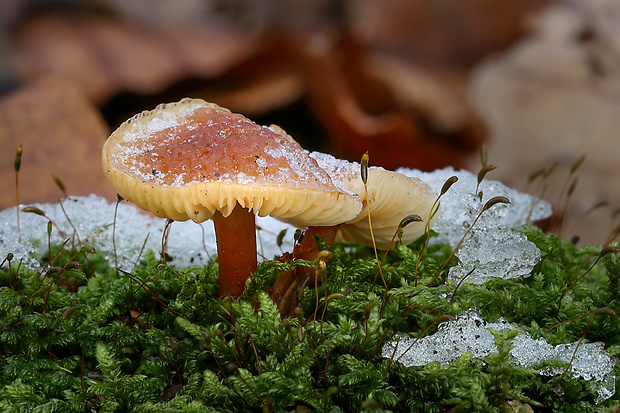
<point x="421" y="84"/>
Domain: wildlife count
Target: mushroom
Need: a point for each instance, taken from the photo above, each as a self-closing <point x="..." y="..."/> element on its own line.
<point x="195" y="160"/>
<point x="389" y="197"/>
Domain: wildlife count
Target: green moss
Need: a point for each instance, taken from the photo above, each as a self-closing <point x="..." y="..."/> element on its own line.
<point x="84" y="338"/>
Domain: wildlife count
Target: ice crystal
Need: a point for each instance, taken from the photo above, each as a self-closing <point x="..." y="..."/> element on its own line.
<point x="469" y="333"/>
<point x="493" y="248"/>
<point x="501" y="252"/>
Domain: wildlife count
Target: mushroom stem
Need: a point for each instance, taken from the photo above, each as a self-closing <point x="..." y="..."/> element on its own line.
<point x="307" y="248"/>
<point x="236" y="246"/>
<point x="286" y="287"/>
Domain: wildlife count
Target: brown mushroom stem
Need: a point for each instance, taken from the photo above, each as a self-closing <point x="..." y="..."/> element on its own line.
<point x="236" y="246"/>
<point x="307" y="248"/>
<point x="286" y="287"/>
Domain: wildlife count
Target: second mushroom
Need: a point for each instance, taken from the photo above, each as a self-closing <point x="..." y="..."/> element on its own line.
<point x="387" y="198"/>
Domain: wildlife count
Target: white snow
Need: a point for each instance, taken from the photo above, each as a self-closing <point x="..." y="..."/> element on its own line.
<point x="469" y="333"/>
<point x="90" y="221"/>
<point x="492" y="248"/>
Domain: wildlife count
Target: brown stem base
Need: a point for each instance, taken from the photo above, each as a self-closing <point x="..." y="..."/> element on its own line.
<point x="285" y="291"/>
<point x="236" y="246"/>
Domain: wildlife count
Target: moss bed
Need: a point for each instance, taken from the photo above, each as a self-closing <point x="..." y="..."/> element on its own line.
<point x="79" y="335"/>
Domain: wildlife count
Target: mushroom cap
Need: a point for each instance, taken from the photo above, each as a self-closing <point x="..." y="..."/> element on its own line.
<point x="189" y="159"/>
<point x="391" y="197"/>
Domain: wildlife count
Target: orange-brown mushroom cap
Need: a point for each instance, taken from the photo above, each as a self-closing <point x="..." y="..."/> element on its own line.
<point x="189" y="159"/>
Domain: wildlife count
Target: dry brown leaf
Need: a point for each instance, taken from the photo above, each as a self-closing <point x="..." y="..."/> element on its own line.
<point x="61" y="134"/>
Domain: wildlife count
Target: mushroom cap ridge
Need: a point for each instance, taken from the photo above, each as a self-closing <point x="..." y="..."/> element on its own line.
<point x="189" y="159"/>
